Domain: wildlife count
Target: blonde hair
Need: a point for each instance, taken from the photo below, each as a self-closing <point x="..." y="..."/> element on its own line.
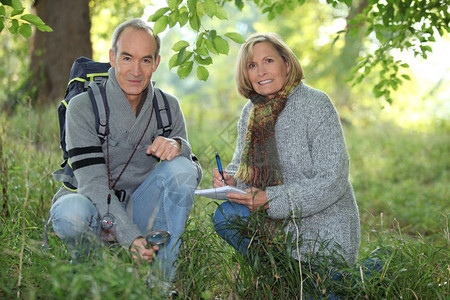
<point x="243" y="83"/>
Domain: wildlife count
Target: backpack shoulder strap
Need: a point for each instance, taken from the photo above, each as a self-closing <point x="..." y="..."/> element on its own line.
<point x="96" y="92"/>
<point x="163" y="115"/>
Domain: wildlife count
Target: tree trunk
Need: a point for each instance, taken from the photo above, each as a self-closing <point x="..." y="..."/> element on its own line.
<point x="52" y="53"/>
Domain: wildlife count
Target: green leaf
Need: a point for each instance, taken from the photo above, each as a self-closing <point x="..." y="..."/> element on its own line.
<point x="191" y="4"/>
<point x="200" y="8"/>
<point x="184" y="16"/>
<point x="211" y="47"/>
<point x="16" y="5"/>
<point x="239" y="4"/>
<point x="210" y="8"/>
<point x="180" y="45"/>
<point x="2" y="11"/>
<point x="25" y="30"/>
<point x="173" y="62"/>
<point x="158" y="14"/>
<point x="35" y="20"/>
<point x="203" y="61"/>
<point x="173" y="18"/>
<point x="16" y="12"/>
<point x="203" y="51"/>
<point x="235" y="37"/>
<point x="407" y="77"/>
<point x="2" y="26"/>
<point x="44" y="28"/>
<point x="185" y="69"/>
<point x="173" y="4"/>
<point x="14" y="26"/>
<point x="221" y="45"/>
<point x="181" y="56"/>
<point x="221" y="13"/>
<point x="160" y="24"/>
<point x="202" y="73"/>
<point x="194" y="22"/>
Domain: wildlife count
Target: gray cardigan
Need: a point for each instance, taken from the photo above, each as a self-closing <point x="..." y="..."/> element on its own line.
<point x="315" y="167"/>
<point x="125" y="131"/>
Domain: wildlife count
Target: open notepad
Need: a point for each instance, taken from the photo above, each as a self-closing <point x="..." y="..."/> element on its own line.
<point x="219" y="193"/>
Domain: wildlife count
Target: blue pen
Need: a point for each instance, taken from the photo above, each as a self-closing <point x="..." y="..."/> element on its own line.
<point x="219" y="166"/>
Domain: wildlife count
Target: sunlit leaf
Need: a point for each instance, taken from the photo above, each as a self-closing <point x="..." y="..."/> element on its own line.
<point x="180" y="45"/>
<point x="158" y="14"/>
<point x="173" y="4"/>
<point x="17" y="12"/>
<point x="235" y="37"/>
<point x="181" y="56"/>
<point x="211" y="47"/>
<point x="202" y="73"/>
<point x="203" y="61"/>
<point x="35" y="20"/>
<point x="14" y="26"/>
<point x="194" y="22"/>
<point x="173" y="61"/>
<point x="221" y="13"/>
<point x="407" y="77"/>
<point x="221" y="45"/>
<point x="203" y="51"/>
<point x="44" y="28"/>
<point x="185" y="69"/>
<point x="210" y="8"/>
<point x="161" y="24"/>
<point x="16" y="5"/>
<point x="184" y="16"/>
<point x="25" y="30"/>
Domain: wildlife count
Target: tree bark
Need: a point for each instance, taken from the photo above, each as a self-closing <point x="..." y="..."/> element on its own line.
<point x="52" y="53"/>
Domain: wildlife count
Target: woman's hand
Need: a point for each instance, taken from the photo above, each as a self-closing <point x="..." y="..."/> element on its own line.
<point x="254" y="199"/>
<point x="142" y="253"/>
<point x="217" y="179"/>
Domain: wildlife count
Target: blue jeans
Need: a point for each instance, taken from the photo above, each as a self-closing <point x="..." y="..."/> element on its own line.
<point x="167" y="195"/>
<point x="229" y="221"/>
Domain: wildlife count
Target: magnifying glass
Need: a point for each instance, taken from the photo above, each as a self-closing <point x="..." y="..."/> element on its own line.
<point x="158" y="237"/>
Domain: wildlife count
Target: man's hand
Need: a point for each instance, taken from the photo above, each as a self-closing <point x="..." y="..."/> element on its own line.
<point x="164" y="148"/>
<point x="254" y="199"/>
<point x="142" y="253"/>
<point x="217" y="179"/>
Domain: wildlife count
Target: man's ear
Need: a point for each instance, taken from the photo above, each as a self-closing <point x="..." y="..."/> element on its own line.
<point x="112" y="61"/>
<point x="158" y="60"/>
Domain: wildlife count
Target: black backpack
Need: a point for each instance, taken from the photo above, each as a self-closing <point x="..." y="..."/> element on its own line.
<point x="91" y="76"/>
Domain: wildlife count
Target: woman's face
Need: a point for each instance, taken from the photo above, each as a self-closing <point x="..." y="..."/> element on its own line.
<point x="267" y="70"/>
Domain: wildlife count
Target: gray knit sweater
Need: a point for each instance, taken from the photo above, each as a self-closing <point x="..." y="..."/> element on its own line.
<point x="315" y="167"/>
<point x="89" y="160"/>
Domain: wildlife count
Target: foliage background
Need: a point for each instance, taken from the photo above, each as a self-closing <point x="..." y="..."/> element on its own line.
<point x="399" y="164"/>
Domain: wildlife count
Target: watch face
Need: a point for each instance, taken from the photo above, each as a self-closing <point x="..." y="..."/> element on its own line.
<point x="108" y="221"/>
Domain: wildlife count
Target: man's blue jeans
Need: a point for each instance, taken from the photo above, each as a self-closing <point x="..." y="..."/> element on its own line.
<point x="167" y="194"/>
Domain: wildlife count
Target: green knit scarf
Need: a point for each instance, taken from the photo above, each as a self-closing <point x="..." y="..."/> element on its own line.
<point x="260" y="165"/>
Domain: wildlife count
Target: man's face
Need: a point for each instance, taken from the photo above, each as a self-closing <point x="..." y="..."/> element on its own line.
<point x="134" y="61"/>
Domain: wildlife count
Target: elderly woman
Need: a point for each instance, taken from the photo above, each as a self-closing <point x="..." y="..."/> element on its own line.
<point x="291" y="156"/>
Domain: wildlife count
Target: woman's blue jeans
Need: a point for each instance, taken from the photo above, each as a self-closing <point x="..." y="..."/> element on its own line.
<point x="167" y="195"/>
<point x="229" y="221"/>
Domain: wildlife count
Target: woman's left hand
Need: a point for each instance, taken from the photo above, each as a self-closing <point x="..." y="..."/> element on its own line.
<point x="253" y="199"/>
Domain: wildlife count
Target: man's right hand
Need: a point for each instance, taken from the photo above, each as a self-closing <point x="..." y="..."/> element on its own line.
<point x="141" y="252"/>
<point x="217" y="179"/>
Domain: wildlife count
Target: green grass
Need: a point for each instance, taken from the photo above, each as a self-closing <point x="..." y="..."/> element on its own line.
<point x="400" y="179"/>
